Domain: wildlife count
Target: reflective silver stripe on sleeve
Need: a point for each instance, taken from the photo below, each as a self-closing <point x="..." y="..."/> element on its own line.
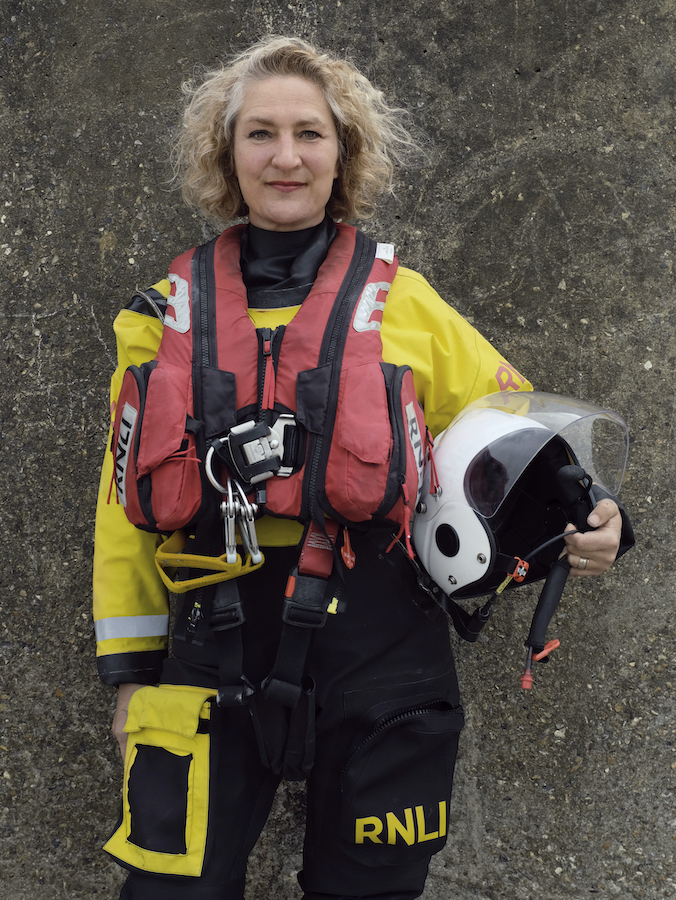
<point x="131" y="627"/>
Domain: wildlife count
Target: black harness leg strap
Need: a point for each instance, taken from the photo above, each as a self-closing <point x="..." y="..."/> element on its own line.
<point x="305" y="609"/>
<point x="308" y="595"/>
<point x="227" y="618"/>
<point x="193" y="618"/>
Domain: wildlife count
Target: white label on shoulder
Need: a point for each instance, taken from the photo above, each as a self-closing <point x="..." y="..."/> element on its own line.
<point x="416" y="441"/>
<point x="178" y="305"/>
<point x="365" y="316"/>
<point x="385" y="252"/>
<point x="125" y="444"/>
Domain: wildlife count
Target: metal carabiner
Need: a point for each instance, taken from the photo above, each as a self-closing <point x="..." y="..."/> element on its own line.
<point x="229" y="510"/>
<point x="247" y="527"/>
<point x="208" y="463"/>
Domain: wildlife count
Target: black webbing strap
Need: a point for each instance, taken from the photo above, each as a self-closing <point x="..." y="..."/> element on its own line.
<point x="193" y="621"/>
<point x="467" y="625"/>
<point x="286" y="737"/>
<point x="305" y="609"/>
<point x="226" y="620"/>
<point x="299" y="752"/>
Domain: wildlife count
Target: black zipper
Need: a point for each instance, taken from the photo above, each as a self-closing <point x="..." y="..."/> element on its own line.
<point x="400" y="439"/>
<point x="141" y="378"/>
<point x="204" y="305"/>
<point x="142" y="375"/>
<point x="442" y="707"/>
<point x="265" y="335"/>
<point x="274" y="337"/>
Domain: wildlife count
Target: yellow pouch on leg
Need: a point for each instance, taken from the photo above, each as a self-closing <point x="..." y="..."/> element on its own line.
<point x="165" y="802"/>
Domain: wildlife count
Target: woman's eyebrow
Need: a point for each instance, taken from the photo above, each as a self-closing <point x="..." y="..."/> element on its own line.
<point x="301" y="123"/>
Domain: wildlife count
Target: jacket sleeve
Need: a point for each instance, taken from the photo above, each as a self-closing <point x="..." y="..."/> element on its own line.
<point x="452" y="363"/>
<point x="131" y="613"/>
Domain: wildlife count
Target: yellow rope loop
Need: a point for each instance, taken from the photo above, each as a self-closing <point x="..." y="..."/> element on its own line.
<point x="170" y="555"/>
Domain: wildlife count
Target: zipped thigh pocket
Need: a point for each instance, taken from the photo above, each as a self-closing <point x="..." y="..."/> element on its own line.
<point x="165" y="802"/>
<point x="157" y="471"/>
<point x="396" y="783"/>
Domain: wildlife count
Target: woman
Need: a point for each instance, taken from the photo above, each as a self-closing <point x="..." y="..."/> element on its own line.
<point x="364" y="704"/>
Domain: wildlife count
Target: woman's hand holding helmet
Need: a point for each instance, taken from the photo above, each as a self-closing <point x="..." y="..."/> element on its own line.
<point x="593" y="552"/>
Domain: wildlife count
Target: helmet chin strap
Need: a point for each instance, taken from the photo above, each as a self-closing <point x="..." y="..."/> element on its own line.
<point x="469" y="626"/>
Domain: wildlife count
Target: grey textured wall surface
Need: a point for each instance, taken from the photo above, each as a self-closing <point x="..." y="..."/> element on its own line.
<point x="545" y="215"/>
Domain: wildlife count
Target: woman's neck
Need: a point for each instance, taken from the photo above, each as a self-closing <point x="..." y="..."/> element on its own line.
<point x="280" y="267"/>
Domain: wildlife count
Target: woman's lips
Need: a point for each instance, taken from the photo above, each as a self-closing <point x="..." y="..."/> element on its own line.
<point x="286" y="186"/>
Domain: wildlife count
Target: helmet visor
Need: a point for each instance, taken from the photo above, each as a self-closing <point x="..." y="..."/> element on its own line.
<point x="596" y="439"/>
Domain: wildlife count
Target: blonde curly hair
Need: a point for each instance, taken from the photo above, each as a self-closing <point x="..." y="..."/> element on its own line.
<point x="372" y="135"/>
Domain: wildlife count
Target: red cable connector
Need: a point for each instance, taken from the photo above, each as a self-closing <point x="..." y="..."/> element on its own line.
<point x="527" y="677"/>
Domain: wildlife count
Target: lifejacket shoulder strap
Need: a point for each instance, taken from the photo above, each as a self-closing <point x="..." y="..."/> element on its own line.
<point x="331" y="355"/>
<point x="208" y="537"/>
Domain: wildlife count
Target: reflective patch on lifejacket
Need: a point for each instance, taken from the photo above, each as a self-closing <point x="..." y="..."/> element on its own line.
<point x="416" y="440"/>
<point x="411" y="828"/>
<point x="179" y="302"/>
<point x="131" y="627"/>
<point x="125" y="443"/>
<point x="369" y="306"/>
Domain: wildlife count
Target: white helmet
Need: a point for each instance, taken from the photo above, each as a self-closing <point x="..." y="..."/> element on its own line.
<point x="513" y="468"/>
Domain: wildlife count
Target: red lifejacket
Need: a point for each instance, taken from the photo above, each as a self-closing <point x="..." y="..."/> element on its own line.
<point x="359" y="431"/>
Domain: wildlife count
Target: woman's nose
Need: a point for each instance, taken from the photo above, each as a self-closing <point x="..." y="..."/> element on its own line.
<point x="286" y="155"/>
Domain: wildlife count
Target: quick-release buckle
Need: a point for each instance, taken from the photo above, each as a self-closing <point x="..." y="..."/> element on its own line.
<point x="253" y="451"/>
<point x="303" y="616"/>
<point x="227" y="618"/>
<point x="302" y="607"/>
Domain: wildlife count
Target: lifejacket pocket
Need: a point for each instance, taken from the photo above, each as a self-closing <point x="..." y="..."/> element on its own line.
<point x="357" y="470"/>
<point x="379" y="444"/>
<point x="157" y="470"/>
<point x="165" y="802"/>
<point x="396" y="784"/>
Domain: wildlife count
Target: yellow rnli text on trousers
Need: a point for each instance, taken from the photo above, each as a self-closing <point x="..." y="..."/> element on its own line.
<point x="413" y="828"/>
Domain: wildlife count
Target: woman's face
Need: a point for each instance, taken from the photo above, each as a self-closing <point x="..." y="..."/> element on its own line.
<point x="285" y="153"/>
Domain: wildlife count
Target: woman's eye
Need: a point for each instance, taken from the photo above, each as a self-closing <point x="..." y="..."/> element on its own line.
<point x="259" y="135"/>
<point x="310" y="135"/>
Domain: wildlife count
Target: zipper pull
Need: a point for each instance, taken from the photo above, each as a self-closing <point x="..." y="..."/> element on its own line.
<point x="435" y="487"/>
<point x="266" y="387"/>
<point x="407" y="522"/>
<point x="195" y="616"/>
<point x="346" y="550"/>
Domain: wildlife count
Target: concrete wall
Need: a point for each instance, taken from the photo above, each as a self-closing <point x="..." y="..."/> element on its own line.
<point x="544" y="216"/>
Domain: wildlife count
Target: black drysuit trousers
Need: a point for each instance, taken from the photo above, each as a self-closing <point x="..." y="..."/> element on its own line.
<point x="387" y="725"/>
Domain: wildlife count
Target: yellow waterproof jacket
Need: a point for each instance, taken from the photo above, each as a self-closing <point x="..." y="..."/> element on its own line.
<point x="452" y="366"/>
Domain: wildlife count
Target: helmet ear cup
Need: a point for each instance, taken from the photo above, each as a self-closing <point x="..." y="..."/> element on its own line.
<point x="447" y="540"/>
